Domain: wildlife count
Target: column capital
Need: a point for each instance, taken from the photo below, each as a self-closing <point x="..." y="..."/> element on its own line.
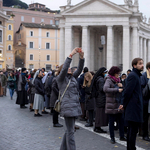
<point x="84" y="27"/>
<point x="126" y="26"/>
<point x="68" y="27"/>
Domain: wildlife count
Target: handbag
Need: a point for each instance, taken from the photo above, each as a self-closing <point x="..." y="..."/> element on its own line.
<point x="58" y="102"/>
<point x="11" y="84"/>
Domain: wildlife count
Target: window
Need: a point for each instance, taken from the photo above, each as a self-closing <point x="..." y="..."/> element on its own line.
<point x="9" y="27"/>
<point x="47" y="34"/>
<point x="31" y="44"/>
<point x="57" y="22"/>
<point x="22" y="18"/>
<point x="42" y="20"/>
<point x="48" y="57"/>
<point x="31" y="33"/>
<point x="31" y="56"/>
<point x="9" y="37"/>
<point x="48" y="67"/>
<point x="9" y="47"/>
<point x="33" y="19"/>
<point x="31" y="66"/>
<point x="0" y="53"/>
<point x="0" y="66"/>
<point x="1" y="35"/>
<point x="51" y="21"/>
<point x="47" y="45"/>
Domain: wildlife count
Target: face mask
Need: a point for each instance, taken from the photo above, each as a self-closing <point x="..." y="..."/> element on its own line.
<point x="122" y="79"/>
<point x="105" y="75"/>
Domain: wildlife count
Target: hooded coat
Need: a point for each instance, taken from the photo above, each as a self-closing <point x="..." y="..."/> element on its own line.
<point x="70" y="105"/>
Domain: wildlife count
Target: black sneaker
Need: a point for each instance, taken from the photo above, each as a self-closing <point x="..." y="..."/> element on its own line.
<point x="44" y="112"/>
<point x="37" y="115"/>
<point x="23" y="107"/>
<point x="100" y="131"/>
<point x="57" y="125"/>
<point x="89" y="125"/>
<point x="112" y="141"/>
<point x="146" y="138"/>
<point x="123" y="139"/>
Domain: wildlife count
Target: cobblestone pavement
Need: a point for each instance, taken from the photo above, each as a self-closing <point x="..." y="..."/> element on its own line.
<point x="20" y="130"/>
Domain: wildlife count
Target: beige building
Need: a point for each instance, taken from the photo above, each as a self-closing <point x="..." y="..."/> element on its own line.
<point x="3" y="20"/>
<point x="9" y="43"/>
<point x="42" y="46"/>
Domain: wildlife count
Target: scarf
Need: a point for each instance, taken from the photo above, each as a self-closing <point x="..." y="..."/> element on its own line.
<point x="117" y="80"/>
<point x="148" y="76"/>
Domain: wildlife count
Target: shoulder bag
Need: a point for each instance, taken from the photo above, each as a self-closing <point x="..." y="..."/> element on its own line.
<point x="58" y="102"/>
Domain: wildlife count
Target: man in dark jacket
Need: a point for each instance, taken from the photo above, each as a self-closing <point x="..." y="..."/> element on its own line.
<point x="133" y="103"/>
<point x="82" y="93"/>
<point x="144" y="81"/>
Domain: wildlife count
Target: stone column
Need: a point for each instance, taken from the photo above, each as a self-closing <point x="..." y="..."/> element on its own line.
<point x="110" y="47"/>
<point x="145" y="54"/>
<point x="126" y="48"/>
<point x="62" y="46"/>
<point x="148" y="51"/>
<point x="135" y="43"/>
<point x="141" y="47"/>
<point x="76" y="44"/>
<point x="86" y="45"/>
<point x="68" y="41"/>
<point x="92" y="49"/>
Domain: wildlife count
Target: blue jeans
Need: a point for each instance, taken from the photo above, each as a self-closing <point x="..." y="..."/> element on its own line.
<point x="11" y="91"/>
<point x="120" y="120"/>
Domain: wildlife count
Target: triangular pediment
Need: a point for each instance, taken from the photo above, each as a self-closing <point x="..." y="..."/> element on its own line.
<point x="96" y="7"/>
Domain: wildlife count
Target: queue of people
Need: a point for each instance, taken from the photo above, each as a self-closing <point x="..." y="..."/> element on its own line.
<point x="101" y="99"/>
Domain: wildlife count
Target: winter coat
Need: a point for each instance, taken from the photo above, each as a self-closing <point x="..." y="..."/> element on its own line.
<point x="31" y="86"/>
<point x="89" y="99"/>
<point x="132" y="97"/>
<point x="48" y="86"/>
<point x="111" y="92"/>
<point x="81" y="89"/>
<point x="144" y="81"/>
<point x="54" y="93"/>
<point x="12" y="79"/>
<point x="39" y="86"/>
<point x="101" y="97"/>
<point x="70" y="105"/>
<point x="3" y="80"/>
<point x="21" y="82"/>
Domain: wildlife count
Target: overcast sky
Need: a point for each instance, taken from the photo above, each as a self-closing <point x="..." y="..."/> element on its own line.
<point x="54" y="4"/>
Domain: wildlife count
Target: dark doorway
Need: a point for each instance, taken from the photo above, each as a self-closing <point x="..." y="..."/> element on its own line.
<point x="19" y="59"/>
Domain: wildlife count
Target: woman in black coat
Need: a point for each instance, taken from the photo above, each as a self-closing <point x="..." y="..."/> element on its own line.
<point x="89" y="98"/>
<point x="101" y="119"/>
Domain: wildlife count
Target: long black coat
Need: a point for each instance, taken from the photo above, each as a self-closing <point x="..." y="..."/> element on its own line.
<point x="81" y="89"/>
<point x="132" y="97"/>
<point x="101" y="97"/>
<point x="54" y="92"/>
<point x="89" y="99"/>
<point x="144" y="81"/>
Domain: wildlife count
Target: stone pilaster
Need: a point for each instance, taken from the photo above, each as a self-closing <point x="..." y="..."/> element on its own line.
<point x="126" y="48"/>
<point x="141" y="47"/>
<point x="110" y="46"/>
<point x="62" y="46"/>
<point x="68" y="41"/>
<point x="135" y="43"/>
<point x="145" y="54"/>
<point x="148" y="51"/>
<point x="86" y="45"/>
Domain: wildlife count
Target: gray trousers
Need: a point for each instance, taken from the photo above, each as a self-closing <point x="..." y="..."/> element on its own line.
<point x="68" y="142"/>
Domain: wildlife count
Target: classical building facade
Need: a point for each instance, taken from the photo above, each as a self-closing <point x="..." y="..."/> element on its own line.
<point x="109" y="34"/>
<point x="42" y="46"/>
<point x="3" y="21"/>
<point x="9" y="43"/>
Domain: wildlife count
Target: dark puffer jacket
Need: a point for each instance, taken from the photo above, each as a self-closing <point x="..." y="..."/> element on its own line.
<point x="39" y="86"/>
<point x="70" y="105"/>
<point x="101" y="98"/>
<point x="111" y="92"/>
